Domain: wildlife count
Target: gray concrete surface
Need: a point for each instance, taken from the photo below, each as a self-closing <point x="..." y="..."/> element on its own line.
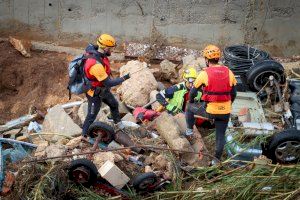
<point x="271" y="24"/>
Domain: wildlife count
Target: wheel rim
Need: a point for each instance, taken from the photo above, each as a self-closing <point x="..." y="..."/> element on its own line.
<point x="81" y="175"/>
<point x="262" y="78"/>
<point x="288" y="151"/>
<point x="145" y="183"/>
<point x="104" y="134"/>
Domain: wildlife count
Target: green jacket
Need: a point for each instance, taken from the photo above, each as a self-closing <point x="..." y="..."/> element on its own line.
<point x="173" y="98"/>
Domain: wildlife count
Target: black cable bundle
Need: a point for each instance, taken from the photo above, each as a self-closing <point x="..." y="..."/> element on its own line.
<point x="239" y="58"/>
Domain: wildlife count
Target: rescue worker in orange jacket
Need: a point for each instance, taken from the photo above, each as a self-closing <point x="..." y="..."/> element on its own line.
<point x="217" y="84"/>
<point x="97" y="70"/>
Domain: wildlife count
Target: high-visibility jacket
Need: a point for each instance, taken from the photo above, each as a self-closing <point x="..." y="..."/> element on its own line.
<point x="218" y="88"/>
<point x="177" y="101"/>
<point x="91" y="62"/>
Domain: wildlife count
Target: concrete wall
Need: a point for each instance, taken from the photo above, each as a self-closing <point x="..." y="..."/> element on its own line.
<point x="272" y="24"/>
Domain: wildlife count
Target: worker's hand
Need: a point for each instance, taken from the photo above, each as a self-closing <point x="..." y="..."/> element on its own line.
<point x="126" y="76"/>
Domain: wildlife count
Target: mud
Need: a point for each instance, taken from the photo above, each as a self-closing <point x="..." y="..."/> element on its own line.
<point x="39" y="81"/>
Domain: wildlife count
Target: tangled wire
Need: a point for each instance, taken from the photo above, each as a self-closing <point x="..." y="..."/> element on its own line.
<point x="239" y="58"/>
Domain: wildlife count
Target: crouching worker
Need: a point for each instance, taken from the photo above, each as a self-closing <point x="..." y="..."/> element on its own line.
<point x="97" y="70"/>
<point x="175" y="98"/>
<point x="217" y="83"/>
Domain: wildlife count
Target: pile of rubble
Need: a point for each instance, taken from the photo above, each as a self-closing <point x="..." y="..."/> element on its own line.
<point x="56" y="135"/>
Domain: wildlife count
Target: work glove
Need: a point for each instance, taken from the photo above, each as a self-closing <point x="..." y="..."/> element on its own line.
<point x="126" y="76"/>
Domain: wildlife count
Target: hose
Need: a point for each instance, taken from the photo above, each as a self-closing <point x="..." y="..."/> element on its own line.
<point x="240" y="58"/>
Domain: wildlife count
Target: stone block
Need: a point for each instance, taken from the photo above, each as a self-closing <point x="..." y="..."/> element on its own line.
<point x="110" y="172"/>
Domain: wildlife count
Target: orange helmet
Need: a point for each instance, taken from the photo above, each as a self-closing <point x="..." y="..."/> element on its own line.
<point x="212" y="52"/>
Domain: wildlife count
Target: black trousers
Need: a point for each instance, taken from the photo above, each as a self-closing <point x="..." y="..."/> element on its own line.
<point x="94" y="105"/>
<point x="221" y="123"/>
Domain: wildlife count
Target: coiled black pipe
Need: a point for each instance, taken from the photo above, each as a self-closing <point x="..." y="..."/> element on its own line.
<point x="239" y="58"/>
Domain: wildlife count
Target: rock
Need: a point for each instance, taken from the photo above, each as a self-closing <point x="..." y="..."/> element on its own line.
<point x="73" y="143"/>
<point x="129" y="117"/>
<point x="148" y="169"/>
<point x="55" y="150"/>
<point x="150" y="159"/>
<point x="58" y="121"/>
<point x="191" y="61"/>
<point x="40" y="150"/>
<point x="23" y="138"/>
<point x="168" y="70"/>
<point x="113" y="145"/>
<point x="136" y="90"/>
<point x="122" y="107"/>
<point x="168" y="128"/>
<point x="154" y="105"/>
<point x="63" y="141"/>
<point x="83" y="110"/>
<point x="170" y="171"/>
<point x="22" y="46"/>
<point x="161" y="162"/>
<point x="101" y="157"/>
<point x="156" y="73"/>
<point x="180" y="119"/>
<point x="198" y="146"/>
<point x="77" y="151"/>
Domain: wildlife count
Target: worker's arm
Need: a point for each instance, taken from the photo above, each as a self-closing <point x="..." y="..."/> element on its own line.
<point x="233" y="93"/>
<point x="200" y="81"/>
<point x="116" y="81"/>
<point x="166" y="94"/>
<point x="99" y="72"/>
<point x="233" y="83"/>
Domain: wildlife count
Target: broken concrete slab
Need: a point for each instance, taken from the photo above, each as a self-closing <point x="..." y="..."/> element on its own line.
<point x="58" y="121"/>
<point x="172" y="53"/>
<point x="168" y="70"/>
<point x="69" y="50"/>
<point x="136" y="90"/>
<point x="168" y="128"/>
<point x="23" y="46"/>
<point x="18" y="123"/>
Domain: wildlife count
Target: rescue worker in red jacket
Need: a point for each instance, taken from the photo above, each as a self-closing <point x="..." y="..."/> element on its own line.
<point x="217" y="83"/>
<point x="97" y="70"/>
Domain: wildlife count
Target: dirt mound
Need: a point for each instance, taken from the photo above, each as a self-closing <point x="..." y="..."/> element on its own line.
<point x="38" y="81"/>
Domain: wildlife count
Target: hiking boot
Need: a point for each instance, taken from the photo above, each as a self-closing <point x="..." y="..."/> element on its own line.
<point x="189" y="134"/>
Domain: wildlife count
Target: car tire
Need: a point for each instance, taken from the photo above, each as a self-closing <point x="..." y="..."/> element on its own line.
<point x="84" y="168"/>
<point x="258" y="75"/>
<point x="104" y="128"/>
<point x="143" y="181"/>
<point x="287" y="140"/>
